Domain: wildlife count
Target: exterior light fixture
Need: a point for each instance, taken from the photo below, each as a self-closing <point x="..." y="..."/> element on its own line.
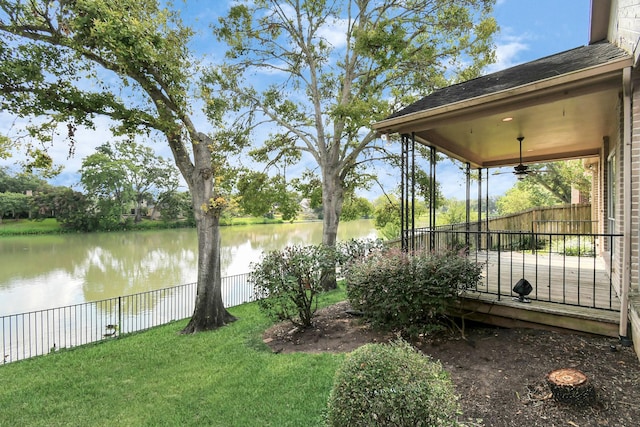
<point x="522" y="288"/>
<point x="520" y="171"/>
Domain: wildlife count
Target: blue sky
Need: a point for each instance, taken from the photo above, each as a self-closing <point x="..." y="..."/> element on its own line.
<point x="529" y="29"/>
<point x="532" y="29"/>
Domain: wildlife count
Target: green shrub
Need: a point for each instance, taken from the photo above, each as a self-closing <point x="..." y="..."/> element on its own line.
<point x="288" y="281"/>
<point x="355" y="250"/>
<point x="390" y="231"/>
<point x="574" y="246"/>
<point x="391" y="385"/>
<point x="518" y="242"/>
<point x="408" y="292"/>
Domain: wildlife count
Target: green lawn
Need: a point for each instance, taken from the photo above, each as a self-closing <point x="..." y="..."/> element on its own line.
<point x="250" y="220"/>
<point x="227" y="377"/>
<point x="10" y="227"/>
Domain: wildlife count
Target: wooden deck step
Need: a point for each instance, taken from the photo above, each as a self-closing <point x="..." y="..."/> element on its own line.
<point x="486" y="308"/>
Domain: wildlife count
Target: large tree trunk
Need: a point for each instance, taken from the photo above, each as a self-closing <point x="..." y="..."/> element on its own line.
<point x="209" y="312"/>
<point x="138" y="217"/>
<point x="332" y="198"/>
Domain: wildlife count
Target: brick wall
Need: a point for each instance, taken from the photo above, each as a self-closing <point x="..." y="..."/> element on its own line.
<point x="624" y="25"/>
<point x="635" y="183"/>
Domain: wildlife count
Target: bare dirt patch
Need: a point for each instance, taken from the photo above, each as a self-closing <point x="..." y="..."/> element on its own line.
<point x="498" y="373"/>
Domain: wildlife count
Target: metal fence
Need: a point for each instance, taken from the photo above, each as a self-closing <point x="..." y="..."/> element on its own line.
<point x="40" y="332"/>
<point x="571" y="269"/>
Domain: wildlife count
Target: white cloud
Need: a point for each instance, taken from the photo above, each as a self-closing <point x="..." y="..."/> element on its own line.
<point x="334" y="32"/>
<point x="508" y="50"/>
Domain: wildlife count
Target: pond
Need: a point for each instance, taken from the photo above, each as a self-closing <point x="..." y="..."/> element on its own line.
<point x="41" y="272"/>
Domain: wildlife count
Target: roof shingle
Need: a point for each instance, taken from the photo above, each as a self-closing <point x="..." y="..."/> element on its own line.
<point x="540" y="69"/>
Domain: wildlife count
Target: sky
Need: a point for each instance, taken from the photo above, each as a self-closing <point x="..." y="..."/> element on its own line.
<point x="529" y="30"/>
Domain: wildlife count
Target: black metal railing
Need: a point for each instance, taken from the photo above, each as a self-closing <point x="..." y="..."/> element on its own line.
<point x="570" y="269"/>
<point x="40" y="332"/>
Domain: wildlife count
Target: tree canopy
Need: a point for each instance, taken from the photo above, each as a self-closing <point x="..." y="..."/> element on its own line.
<point x="549" y="184"/>
<point x="70" y="62"/>
<point x="338" y="66"/>
<point x="128" y="173"/>
<point x="559" y="178"/>
<point x="262" y="195"/>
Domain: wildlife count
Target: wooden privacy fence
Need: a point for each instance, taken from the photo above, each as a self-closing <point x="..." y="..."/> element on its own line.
<point x="564" y="219"/>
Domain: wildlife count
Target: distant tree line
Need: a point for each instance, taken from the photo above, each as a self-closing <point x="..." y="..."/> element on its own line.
<point x="125" y="182"/>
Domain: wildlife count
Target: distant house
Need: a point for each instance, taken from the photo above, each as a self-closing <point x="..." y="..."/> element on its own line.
<point x="580" y="104"/>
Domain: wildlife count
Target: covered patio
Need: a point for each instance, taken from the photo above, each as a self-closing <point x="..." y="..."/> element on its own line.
<point x="565" y="106"/>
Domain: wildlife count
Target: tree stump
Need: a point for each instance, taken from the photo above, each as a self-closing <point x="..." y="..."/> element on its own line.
<point x="569" y="385"/>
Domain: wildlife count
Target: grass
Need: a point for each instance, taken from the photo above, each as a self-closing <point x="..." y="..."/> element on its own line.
<point x="226" y="377"/>
<point x="10" y="227"/>
<point x="250" y="220"/>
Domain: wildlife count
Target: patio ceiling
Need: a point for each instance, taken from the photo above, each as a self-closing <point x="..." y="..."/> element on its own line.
<point x="561" y="115"/>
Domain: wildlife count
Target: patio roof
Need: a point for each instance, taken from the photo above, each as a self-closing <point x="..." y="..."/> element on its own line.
<point x="563" y="105"/>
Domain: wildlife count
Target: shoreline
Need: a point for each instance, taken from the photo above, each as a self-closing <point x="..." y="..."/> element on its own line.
<point x="13" y="228"/>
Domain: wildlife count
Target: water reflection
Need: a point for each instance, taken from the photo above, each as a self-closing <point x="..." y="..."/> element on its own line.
<point x="40" y="272"/>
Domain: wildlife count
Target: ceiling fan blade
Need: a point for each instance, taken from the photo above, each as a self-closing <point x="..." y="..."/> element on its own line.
<point x="537" y="171"/>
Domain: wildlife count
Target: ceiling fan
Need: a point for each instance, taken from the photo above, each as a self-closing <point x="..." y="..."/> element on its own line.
<point x="520" y="170"/>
